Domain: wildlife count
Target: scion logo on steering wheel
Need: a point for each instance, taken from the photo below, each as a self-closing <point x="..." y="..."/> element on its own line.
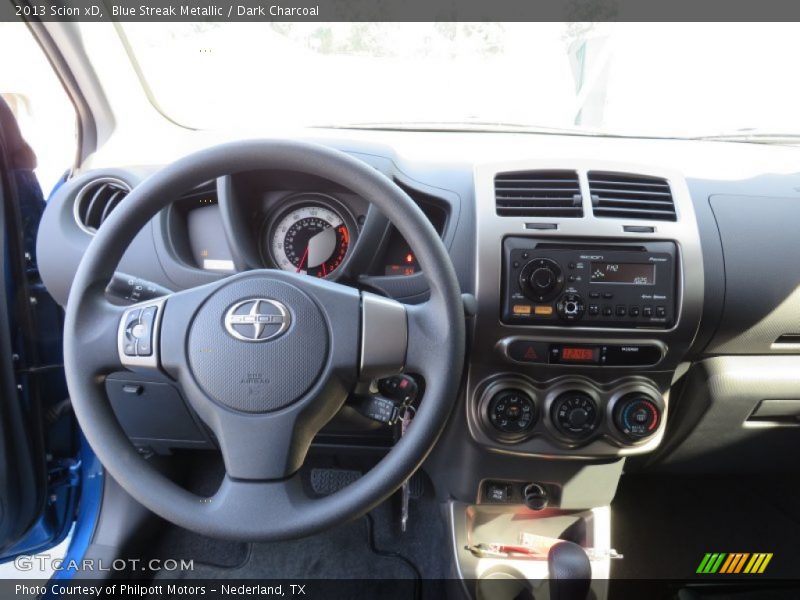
<point x="257" y="320"/>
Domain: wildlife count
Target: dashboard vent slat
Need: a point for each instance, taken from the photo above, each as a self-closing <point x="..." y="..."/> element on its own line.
<point x="96" y="200"/>
<point x="112" y="204"/>
<point x="552" y="193"/>
<point x="628" y="196"/>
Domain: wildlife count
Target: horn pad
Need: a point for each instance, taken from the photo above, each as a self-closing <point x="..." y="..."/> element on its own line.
<point x="258" y="345"/>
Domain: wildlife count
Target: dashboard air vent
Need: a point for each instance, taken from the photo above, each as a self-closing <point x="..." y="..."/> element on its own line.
<point x="626" y="196"/>
<point x="96" y="200"/>
<point x="538" y="194"/>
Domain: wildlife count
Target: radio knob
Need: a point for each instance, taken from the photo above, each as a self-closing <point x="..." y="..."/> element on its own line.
<point x="541" y="279"/>
<point x="570" y="307"/>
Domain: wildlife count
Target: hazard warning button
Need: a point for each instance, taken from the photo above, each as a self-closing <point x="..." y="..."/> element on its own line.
<point x="528" y="351"/>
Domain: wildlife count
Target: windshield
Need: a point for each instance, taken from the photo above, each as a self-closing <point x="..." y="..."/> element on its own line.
<point x="660" y="79"/>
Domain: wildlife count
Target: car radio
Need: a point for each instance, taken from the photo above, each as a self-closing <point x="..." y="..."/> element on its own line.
<point x="604" y="285"/>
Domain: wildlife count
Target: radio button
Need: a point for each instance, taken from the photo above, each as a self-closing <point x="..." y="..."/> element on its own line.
<point x="661" y="312"/>
<point x="523" y="310"/>
<point x="608" y="295"/>
<point x="570" y="307"/>
<point x="594" y="294"/>
<point x="633" y="311"/>
<point x="647" y="312"/>
<point x="607" y="311"/>
<point x="621" y="310"/>
<point x="594" y="310"/>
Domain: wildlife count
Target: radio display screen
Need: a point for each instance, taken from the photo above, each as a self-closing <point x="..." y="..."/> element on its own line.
<point x="625" y="273"/>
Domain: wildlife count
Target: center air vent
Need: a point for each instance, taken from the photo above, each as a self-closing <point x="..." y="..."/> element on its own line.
<point x="96" y="200"/>
<point x="538" y="194"/>
<point x="625" y="196"/>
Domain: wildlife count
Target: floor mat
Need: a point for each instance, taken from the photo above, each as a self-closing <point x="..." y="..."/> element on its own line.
<point x="371" y="548"/>
<point x="180" y="544"/>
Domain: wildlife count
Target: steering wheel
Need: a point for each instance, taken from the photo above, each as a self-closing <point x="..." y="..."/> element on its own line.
<point x="265" y="358"/>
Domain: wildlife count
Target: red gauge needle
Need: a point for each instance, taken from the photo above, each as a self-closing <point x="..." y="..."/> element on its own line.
<point x="324" y="270"/>
<point x="302" y="260"/>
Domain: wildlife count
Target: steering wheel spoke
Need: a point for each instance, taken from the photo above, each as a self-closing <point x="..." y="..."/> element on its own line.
<point x="97" y="336"/>
<point x="138" y="335"/>
<point x="426" y="332"/>
<point x="384" y="336"/>
<point x="285" y="501"/>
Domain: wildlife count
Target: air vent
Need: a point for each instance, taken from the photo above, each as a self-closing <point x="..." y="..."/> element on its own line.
<point x="538" y="194"/>
<point x="625" y="196"/>
<point x="96" y="200"/>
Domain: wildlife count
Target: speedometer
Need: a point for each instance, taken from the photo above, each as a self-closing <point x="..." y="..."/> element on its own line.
<point x="311" y="237"/>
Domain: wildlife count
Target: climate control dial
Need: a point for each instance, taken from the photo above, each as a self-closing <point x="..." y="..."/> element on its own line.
<point x="575" y="414"/>
<point x="637" y="416"/>
<point x="512" y="412"/>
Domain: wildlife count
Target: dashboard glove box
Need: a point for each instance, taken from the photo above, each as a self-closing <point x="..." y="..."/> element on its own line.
<point x="760" y="245"/>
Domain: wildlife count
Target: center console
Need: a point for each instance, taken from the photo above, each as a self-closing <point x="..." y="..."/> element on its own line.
<point x="589" y="289"/>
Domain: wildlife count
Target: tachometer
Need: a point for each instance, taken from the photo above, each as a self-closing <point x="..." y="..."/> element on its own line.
<point x="311" y="237"/>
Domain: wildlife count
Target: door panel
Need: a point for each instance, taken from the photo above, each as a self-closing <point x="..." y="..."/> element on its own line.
<point x="39" y="471"/>
<point x="21" y="463"/>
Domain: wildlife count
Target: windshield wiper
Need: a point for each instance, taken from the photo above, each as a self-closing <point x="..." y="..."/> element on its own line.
<point x="477" y="126"/>
<point x="751" y="137"/>
<point x="740" y="135"/>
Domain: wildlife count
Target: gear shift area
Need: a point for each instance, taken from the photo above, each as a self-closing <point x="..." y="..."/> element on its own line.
<point x="513" y="552"/>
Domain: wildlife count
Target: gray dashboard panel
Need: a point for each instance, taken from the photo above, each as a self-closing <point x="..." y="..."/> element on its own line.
<point x="61" y="242"/>
<point x="761" y="244"/>
<point x="714" y="432"/>
<point x="446" y="171"/>
<point x="152" y="256"/>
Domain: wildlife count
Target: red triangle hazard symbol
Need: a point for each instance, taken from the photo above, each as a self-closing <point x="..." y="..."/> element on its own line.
<point x="530" y="354"/>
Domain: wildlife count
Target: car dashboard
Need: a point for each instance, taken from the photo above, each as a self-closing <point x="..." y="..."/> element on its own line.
<point x="619" y="295"/>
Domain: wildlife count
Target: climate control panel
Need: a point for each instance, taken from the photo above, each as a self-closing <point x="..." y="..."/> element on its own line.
<point x="631" y="285"/>
<point x="572" y="413"/>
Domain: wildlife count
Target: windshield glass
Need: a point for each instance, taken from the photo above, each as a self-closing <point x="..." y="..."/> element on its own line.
<point x="660" y="79"/>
